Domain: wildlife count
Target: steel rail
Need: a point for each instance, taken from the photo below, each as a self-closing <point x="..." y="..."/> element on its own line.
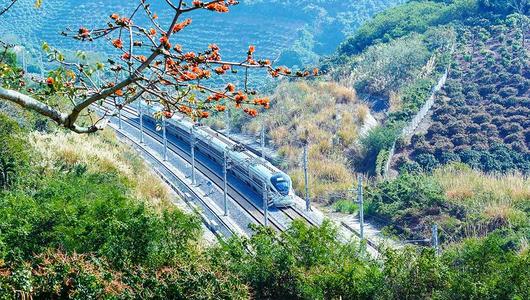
<point x="292" y="212"/>
<point x="242" y="201"/>
<point x="182" y="189"/>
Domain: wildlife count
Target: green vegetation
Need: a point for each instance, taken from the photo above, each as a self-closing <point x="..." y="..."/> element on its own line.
<point x="398" y="62"/>
<point x="85" y="228"/>
<point x="82" y="217"/>
<point x="81" y="231"/>
<point x="463" y="202"/>
<point x="13" y="154"/>
<point x="420" y="15"/>
<point x="346" y="206"/>
<point x="309" y="263"/>
<point x="374" y="147"/>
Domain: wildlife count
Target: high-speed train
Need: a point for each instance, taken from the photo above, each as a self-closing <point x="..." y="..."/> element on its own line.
<point x="244" y="164"/>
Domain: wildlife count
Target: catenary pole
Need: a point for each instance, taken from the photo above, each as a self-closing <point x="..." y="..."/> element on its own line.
<point x="192" y="144"/>
<point x="141" y="114"/>
<point x="227" y="122"/>
<point x="306" y="179"/>
<point x="361" y="204"/>
<point x="225" y="183"/>
<point x="164" y="134"/>
<point x="119" y="117"/>
<point x="265" y="204"/>
<point x="435" y="239"/>
<point x="263" y="140"/>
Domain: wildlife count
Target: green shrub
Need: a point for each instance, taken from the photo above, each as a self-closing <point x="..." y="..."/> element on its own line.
<point x="377" y="139"/>
<point x="56" y="275"/>
<point x="88" y="213"/>
<point x="404" y="202"/>
<point x="346" y="206"/>
<point x="302" y="263"/>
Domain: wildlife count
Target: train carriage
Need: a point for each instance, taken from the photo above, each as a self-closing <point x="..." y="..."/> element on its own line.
<point x="245" y="165"/>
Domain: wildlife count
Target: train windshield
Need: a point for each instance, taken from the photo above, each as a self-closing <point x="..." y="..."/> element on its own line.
<point x="282" y="183"/>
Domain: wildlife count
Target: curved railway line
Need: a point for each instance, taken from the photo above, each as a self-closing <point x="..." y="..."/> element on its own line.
<point x="244" y="203"/>
<point x="239" y="199"/>
<point x="184" y="188"/>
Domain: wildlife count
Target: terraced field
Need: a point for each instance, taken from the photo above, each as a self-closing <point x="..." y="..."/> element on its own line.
<point x="481" y="118"/>
<point x="233" y="32"/>
<point x="306" y="27"/>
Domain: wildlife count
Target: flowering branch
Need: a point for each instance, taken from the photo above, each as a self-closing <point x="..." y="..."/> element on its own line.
<point x="150" y="64"/>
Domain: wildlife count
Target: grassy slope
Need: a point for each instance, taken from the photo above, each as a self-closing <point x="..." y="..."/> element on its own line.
<point x="100" y="153"/>
<point x="463" y="202"/>
<point x="332" y="116"/>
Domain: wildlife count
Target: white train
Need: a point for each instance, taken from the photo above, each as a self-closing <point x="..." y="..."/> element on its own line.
<point x="245" y="165"/>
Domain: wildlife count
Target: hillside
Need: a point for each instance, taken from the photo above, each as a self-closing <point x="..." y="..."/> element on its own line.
<point x="481" y="116"/>
<point x="295" y="34"/>
<point x="329" y="117"/>
<point x="82" y="216"/>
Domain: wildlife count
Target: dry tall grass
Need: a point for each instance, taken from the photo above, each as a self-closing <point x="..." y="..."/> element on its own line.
<point x="496" y="196"/>
<point x="331" y="115"/>
<point x="101" y="153"/>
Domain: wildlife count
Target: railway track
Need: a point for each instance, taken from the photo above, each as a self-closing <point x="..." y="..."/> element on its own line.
<point x="292" y="212"/>
<point x="243" y="202"/>
<point x="183" y="190"/>
<point x="238" y="198"/>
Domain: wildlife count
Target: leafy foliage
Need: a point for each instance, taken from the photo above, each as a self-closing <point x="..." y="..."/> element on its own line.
<point x="89" y="213"/>
<point x="379" y="139"/>
<point x="13" y="153"/>
<point x="402" y="20"/>
<point x="77" y="232"/>
<point x="386" y="67"/>
<point x="464" y="202"/>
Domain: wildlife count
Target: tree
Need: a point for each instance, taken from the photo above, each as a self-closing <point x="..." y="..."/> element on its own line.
<point x="148" y="67"/>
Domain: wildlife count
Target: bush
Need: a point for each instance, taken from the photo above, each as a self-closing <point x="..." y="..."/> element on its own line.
<point x="427" y="161"/>
<point x="398" y="63"/>
<point x="302" y="263"/>
<point x="56" y="275"/>
<point x="89" y="213"/>
<point x="346" y="206"/>
<point x="487" y="269"/>
<point x="379" y="138"/>
<point x="403" y="201"/>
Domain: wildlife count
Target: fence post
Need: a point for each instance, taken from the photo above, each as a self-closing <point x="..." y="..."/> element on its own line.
<point x="361" y="204"/>
<point x="435" y="239"/>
